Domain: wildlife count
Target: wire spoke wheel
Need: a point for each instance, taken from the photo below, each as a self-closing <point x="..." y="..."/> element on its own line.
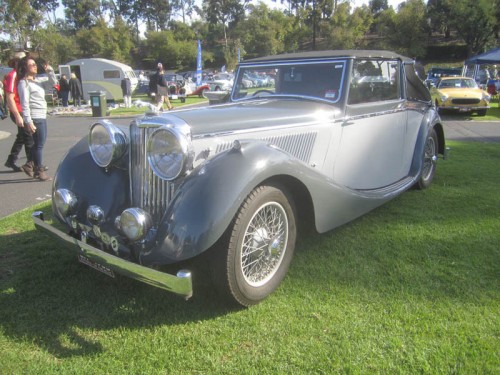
<point x="264" y="244"/>
<point x="429" y="160"/>
<point x="259" y="248"/>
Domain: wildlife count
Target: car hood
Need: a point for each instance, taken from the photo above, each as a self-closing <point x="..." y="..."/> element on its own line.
<point x="255" y="115"/>
<point x="462" y="93"/>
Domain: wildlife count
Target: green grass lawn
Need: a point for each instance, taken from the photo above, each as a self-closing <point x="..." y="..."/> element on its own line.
<point x="411" y="288"/>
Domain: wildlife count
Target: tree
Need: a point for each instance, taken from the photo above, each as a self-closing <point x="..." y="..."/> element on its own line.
<point x="46" y="6"/>
<point x="225" y="13"/>
<point x="406" y="31"/>
<point x="264" y="31"/>
<point x="55" y="46"/>
<point x="82" y="14"/>
<point x="439" y="11"/>
<point x="474" y="21"/>
<point x="18" y="20"/>
<point x="114" y="43"/>
<point x="378" y="6"/>
<point x="345" y="30"/>
<point x="184" y="8"/>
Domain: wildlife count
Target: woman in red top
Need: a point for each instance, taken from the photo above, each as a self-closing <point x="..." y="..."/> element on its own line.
<point x="23" y="137"/>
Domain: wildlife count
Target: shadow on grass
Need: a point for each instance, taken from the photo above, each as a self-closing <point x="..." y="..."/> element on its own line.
<point x="47" y="296"/>
<point x="439" y="244"/>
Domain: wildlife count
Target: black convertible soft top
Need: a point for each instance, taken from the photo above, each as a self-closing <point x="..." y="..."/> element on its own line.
<point x="315" y="55"/>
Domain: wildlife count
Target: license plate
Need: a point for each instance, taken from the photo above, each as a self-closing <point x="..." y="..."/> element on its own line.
<point x="464" y="109"/>
<point x="99" y="267"/>
<point x="175" y="97"/>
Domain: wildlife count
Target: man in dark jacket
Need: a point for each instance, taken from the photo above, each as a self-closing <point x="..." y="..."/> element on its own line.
<point x="162" y="89"/>
<point x="76" y="90"/>
<point x="127" y="92"/>
<point x="64" y="90"/>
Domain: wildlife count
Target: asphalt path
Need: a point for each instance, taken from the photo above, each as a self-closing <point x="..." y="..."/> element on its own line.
<point x="18" y="191"/>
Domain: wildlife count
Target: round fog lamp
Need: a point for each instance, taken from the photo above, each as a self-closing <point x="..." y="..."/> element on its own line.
<point x="135" y="223"/>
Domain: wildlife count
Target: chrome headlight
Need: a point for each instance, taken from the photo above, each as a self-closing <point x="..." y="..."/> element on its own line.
<point x="168" y="153"/>
<point x="107" y="143"/>
<point x="65" y="202"/>
<point x="444" y="97"/>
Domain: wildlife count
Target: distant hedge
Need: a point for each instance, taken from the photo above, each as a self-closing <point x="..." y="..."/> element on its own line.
<point x="447" y="52"/>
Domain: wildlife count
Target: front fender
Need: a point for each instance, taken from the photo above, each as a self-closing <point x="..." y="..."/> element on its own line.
<point x="207" y="201"/>
<point x="91" y="184"/>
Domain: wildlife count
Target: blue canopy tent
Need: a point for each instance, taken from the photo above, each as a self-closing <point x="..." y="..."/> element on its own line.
<point x="472" y="66"/>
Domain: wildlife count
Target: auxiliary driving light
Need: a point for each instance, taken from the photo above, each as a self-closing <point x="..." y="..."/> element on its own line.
<point x="134" y="223"/>
<point x="65" y="202"/>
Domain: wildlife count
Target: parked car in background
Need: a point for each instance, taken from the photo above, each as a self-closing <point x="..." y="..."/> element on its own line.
<point x="221" y="82"/>
<point x="460" y="94"/>
<point x="232" y="184"/>
<point x="435" y="74"/>
<point x="191" y="89"/>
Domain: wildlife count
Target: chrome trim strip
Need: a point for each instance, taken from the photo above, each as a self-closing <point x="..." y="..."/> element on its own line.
<point x="180" y="284"/>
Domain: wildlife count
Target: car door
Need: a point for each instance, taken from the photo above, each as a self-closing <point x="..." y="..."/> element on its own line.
<point x="373" y="130"/>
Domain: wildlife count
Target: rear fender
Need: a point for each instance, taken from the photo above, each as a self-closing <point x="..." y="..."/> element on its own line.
<point x="431" y="121"/>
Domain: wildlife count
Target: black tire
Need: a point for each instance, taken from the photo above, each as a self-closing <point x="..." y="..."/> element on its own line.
<point x="203" y="93"/>
<point x="429" y="160"/>
<point x="481" y="112"/>
<point x="259" y="247"/>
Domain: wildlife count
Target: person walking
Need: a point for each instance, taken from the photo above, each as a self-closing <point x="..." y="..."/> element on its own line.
<point x="34" y="111"/>
<point x="162" y="89"/>
<point x="23" y="136"/>
<point x="76" y="90"/>
<point x="127" y="91"/>
<point x="64" y="90"/>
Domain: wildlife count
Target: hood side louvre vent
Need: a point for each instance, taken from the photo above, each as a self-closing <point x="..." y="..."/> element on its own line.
<point x="299" y="145"/>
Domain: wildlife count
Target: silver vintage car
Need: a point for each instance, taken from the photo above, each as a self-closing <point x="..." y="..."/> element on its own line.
<point x="335" y="134"/>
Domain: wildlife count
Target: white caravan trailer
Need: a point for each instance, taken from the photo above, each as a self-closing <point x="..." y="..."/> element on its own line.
<point x="100" y="75"/>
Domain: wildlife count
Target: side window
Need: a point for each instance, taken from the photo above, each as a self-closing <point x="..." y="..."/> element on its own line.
<point x="374" y="80"/>
<point x="111" y="74"/>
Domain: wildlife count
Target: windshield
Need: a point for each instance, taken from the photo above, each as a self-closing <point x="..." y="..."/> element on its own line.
<point x="319" y="80"/>
<point x="458" y="83"/>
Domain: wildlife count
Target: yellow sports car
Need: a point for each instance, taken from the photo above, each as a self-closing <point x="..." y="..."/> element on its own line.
<point x="460" y="94"/>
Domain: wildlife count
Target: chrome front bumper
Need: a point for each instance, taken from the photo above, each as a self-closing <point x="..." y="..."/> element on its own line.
<point x="180" y="284"/>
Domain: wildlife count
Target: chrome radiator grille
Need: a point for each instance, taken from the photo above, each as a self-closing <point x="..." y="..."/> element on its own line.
<point x="147" y="190"/>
